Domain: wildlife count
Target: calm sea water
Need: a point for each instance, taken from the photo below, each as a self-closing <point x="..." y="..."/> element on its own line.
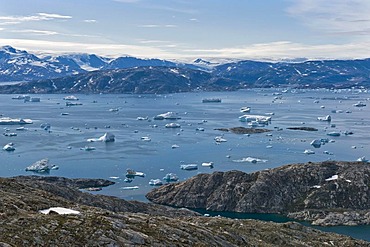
<point x="62" y="145"/>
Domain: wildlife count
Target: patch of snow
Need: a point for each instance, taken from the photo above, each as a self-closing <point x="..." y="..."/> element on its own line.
<point x="334" y="177"/>
<point x="59" y="210"/>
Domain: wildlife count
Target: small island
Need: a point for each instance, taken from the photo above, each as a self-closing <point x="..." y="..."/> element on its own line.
<point x="243" y="130"/>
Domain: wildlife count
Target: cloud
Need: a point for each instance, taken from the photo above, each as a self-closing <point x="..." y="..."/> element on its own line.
<point x="9" y="20"/>
<point x="333" y="16"/>
<point x="157" y="26"/>
<point x="90" y="21"/>
<point x="37" y="32"/>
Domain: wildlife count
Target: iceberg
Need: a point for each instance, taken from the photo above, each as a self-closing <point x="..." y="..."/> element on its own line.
<point x="12" y="121"/>
<point x="42" y="166"/>
<point x="131" y="173"/>
<point x="309" y="151"/>
<point x="362" y="159"/>
<point x="70" y="97"/>
<point x="333" y="133"/>
<point x="359" y="104"/>
<point x="107" y="137"/>
<point x="170" y="177"/>
<point x="168" y="115"/>
<point x="257" y="118"/>
<point x="189" y="167"/>
<point x="220" y="139"/>
<point x="146" y="138"/>
<point x="327" y="118"/>
<point x="208" y="164"/>
<point x="172" y="125"/>
<point x="250" y="160"/>
<point x="88" y="148"/>
<point x="316" y="143"/>
<point x="130" y="188"/>
<point x="155" y="182"/>
<point x="245" y="109"/>
<point x="9" y="147"/>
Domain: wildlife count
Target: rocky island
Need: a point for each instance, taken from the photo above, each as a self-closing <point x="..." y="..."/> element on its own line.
<point x="325" y="193"/>
<point x="98" y="220"/>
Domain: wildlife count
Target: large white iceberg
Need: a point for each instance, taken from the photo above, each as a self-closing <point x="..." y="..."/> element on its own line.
<point x="11" y="121"/>
<point x="107" y="137"/>
<point x="42" y="166"/>
<point x="167" y="115"/>
<point x="255" y="118"/>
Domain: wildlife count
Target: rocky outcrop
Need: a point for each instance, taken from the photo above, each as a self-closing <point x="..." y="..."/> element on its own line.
<point x="22" y="224"/>
<point x="314" y="191"/>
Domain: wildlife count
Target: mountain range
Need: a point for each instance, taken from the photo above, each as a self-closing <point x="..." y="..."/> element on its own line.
<point x="89" y="73"/>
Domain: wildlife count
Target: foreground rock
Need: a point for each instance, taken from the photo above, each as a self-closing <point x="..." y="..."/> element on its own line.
<point x="327" y="193"/>
<point x="109" y="221"/>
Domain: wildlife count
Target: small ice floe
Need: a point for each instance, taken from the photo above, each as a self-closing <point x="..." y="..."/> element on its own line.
<point x="326" y="118"/>
<point x="168" y="115"/>
<point x="10" y="134"/>
<point x="131" y="174"/>
<point x="21" y="128"/>
<point x="130" y="188"/>
<point x="88" y="148"/>
<point x="309" y="151"/>
<point x="146" y="138"/>
<point x="64" y="114"/>
<point x="268" y="146"/>
<point x="362" y="159"/>
<point x="334" y="177"/>
<point x="9" y="147"/>
<point x="114" y="177"/>
<point x="175" y="146"/>
<point x="170" y="177"/>
<point x="211" y="100"/>
<point x="245" y="109"/>
<point x="322" y="107"/>
<point x="333" y="133"/>
<point x="59" y="210"/>
<point x="359" y="104"/>
<point x="107" y="137"/>
<point x="189" y="167"/>
<point x="257" y="118"/>
<point x="142" y="118"/>
<point x="199" y="129"/>
<point x="45" y="126"/>
<point x="70" y="97"/>
<point x="250" y="160"/>
<point x="208" y="164"/>
<point x="327" y="152"/>
<point x="172" y="125"/>
<point x="220" y="139"/>
<point x="316" y="143"/>
<point x="42" y="166"/>
<point x="155" y="182"/>
<point x="128" y="180"/>
<point x="113" y="110"/>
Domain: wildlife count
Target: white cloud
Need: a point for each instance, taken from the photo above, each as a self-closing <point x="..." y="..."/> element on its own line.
<point x="333" y="16"/>
<point x="37" y="32"/>
<point x="90" y="21"/>
<point x="9" y="20"/>
<point x="157" y="26"/>
<point x="54" y="16"/>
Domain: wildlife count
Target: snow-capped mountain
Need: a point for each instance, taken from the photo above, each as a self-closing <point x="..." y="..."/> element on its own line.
<point x="18" y="65"/>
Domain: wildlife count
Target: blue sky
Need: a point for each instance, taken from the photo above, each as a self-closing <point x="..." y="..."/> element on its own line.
<point x="186" y="29"/>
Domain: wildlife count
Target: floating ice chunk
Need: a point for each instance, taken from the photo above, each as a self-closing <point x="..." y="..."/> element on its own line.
<point x="130" y="188"/>
<point x="208" y="164"/>
<point x="326" y="118"/>
<point x="107" y="137"/>
<point x="172" y="125"/>
<point x="155" y="182"/>
<point x="170" y="177"/>
<point x="59" y="210"/>
<point x="42" y="166"/>
<point x="316" y="143"/>
<point x="9" y="147"/>
<point x="70" y="97"/>
<point x="189" y="167"/>
<point x="309" y="151"/>
<point x="88" y="148"/>
<point x="146" y="138"/>
<point x="131" y="173"/>
<point x="333" y="133"/>
<point x="359" y="104"/>
<point x="245" y="109"/>
<point x="114" y="177"/>
<point x="334" y="177"/>
<point x="175" y="146"/>
<point x="168" y="115"/>
<point x="362" y="159"/>
<point x="219" y="139"/>
<point x="142" y="118"/>
<point x="250" y="159"/>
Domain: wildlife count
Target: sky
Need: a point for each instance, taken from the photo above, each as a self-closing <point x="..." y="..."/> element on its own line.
<point x="190" y="29"/>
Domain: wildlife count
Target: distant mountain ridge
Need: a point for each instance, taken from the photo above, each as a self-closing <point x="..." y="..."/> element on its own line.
<point x="89" y="73"/>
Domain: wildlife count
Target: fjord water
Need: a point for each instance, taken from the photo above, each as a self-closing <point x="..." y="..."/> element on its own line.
<point x="68" y="133"/>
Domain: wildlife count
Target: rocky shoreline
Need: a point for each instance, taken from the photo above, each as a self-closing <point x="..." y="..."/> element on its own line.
<point x="326" y="193"/>
<point x="109" y="221"/>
